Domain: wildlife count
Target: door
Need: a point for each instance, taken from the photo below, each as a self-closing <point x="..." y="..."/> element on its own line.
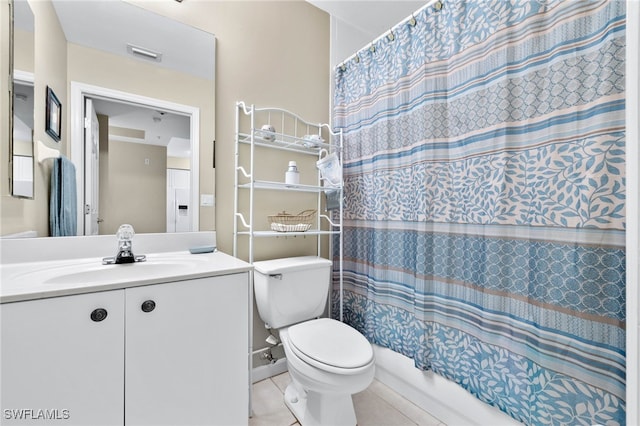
<point x="92" y="175"/>
<point x="60" y="365"/>
<point x="187" y="356"/>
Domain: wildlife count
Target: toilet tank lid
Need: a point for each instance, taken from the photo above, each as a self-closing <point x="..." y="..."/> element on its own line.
<point x="288" y="264"/>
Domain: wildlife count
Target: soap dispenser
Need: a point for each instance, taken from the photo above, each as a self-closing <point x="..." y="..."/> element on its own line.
<point x="292" y="176"/>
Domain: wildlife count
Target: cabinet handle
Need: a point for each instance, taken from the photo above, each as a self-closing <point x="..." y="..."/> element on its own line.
<point x="98" y="314"/>
<point x="148" y="306"/>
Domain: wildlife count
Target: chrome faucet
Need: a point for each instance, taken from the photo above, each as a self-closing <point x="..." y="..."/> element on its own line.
<point x="125" y="247"/>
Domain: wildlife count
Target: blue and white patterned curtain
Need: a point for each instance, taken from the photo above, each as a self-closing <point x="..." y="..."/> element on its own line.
<point x="484" y="202"/>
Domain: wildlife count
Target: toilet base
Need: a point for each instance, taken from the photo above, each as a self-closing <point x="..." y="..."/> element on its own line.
<point x="316" y="409"/>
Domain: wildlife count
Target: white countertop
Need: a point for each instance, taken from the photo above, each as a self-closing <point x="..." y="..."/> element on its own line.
<point x="36" y="268"/>
<point x="37" y="280"/>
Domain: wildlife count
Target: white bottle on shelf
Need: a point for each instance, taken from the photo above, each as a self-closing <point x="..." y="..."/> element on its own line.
<point x="292" y="176"/>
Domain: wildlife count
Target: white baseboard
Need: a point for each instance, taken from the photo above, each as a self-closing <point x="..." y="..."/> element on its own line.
<point x="442" y="398"/>
<point x="269" y="370"/>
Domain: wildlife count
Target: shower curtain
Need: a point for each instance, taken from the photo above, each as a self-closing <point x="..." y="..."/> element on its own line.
<point x="484" y="217"/>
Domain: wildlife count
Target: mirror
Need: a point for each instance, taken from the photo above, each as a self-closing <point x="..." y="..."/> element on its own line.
<point x="116" y="47"/>
<point x="21" y="143"/>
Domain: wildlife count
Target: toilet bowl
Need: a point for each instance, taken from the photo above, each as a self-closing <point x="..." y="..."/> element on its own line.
<point x="328" y="361"/>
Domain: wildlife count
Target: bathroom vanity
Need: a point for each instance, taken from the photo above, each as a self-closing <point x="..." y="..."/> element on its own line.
<point x="160" y="342"/>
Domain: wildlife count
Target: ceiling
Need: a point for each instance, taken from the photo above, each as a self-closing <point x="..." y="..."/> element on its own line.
<point x="372" y="17"/>
<point x="133" y="123"/>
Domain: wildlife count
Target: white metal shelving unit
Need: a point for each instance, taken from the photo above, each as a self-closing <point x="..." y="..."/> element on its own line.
<point x="246" y="183"/>
<point x="292" y="141"/>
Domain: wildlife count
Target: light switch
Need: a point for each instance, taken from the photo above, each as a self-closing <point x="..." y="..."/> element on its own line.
<point x="207" y="200"/>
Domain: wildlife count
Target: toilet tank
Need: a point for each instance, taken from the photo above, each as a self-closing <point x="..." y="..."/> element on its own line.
<point x="292" y="289"/>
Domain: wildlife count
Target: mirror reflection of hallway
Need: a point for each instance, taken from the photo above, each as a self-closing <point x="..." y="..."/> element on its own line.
<point x="143" y="169"/>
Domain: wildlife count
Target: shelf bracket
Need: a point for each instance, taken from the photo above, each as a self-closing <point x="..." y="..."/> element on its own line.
<point x="244" y="223"/>
<point x="244" y="107"/>
<point x="328" y="219"/>
<point x="244" y="172"/>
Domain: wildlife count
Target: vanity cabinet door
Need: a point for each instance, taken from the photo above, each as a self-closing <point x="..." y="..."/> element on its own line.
<point x="187" y="352"/>
<point x="62" y="360"/>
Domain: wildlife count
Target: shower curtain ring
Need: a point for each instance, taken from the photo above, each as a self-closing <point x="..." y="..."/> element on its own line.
<point x="391" y="36"/>
<point x="372" y="48"/>
<point x="413" y="21"/>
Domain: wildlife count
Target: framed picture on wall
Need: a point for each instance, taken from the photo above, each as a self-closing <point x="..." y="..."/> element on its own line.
<point x="53" y="115"/>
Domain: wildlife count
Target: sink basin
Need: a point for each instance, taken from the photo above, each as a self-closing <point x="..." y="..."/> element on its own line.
<point x="113" y="273"/>
<point x="93" y="272"/>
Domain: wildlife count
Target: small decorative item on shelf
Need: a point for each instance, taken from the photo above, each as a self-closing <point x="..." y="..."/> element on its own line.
<point x="312" y="141"/>
<point x="267" y="132"/>
<point x="285" y="222"/>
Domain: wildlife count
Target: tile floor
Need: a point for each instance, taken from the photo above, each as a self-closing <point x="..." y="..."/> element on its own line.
<point x="377" y="405"/>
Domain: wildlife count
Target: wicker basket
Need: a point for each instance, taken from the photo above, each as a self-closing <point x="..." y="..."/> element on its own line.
<point x="285" y="222"/>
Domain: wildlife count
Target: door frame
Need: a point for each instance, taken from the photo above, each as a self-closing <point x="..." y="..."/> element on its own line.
<point x="91" y="134"/>
<point x="80" y="91"/>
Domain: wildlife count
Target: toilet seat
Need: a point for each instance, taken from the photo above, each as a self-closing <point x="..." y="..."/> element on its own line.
<point x="331" y="346"/>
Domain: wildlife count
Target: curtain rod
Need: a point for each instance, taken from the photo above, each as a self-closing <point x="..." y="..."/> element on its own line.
<point x="390" y="33"/>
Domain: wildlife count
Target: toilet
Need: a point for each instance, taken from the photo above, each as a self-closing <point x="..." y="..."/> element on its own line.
<point x="328" y="361"/>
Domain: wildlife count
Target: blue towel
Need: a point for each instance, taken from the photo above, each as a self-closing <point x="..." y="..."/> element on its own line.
<point x="63" y="202"/>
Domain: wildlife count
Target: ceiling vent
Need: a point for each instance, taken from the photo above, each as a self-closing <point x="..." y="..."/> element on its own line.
<point x="144" y="53"/>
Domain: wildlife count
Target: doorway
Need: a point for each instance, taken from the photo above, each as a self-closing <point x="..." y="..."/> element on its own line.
<point x="137" y="166"/>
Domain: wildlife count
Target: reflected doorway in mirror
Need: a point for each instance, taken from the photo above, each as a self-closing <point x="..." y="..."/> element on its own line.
<point x="165" y="109"/>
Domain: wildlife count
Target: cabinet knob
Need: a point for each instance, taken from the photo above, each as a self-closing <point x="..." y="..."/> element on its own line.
<point x="148" y="306"/>
<point x="98" y="314"/>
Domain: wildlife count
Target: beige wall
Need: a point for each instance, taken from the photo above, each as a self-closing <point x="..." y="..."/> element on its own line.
<point x="268" y="53"/>
<point x="23" y="54"/>
<point x="50" y="69"/>
<point x="137" y="192"/>
<point x="131" y="191"/>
